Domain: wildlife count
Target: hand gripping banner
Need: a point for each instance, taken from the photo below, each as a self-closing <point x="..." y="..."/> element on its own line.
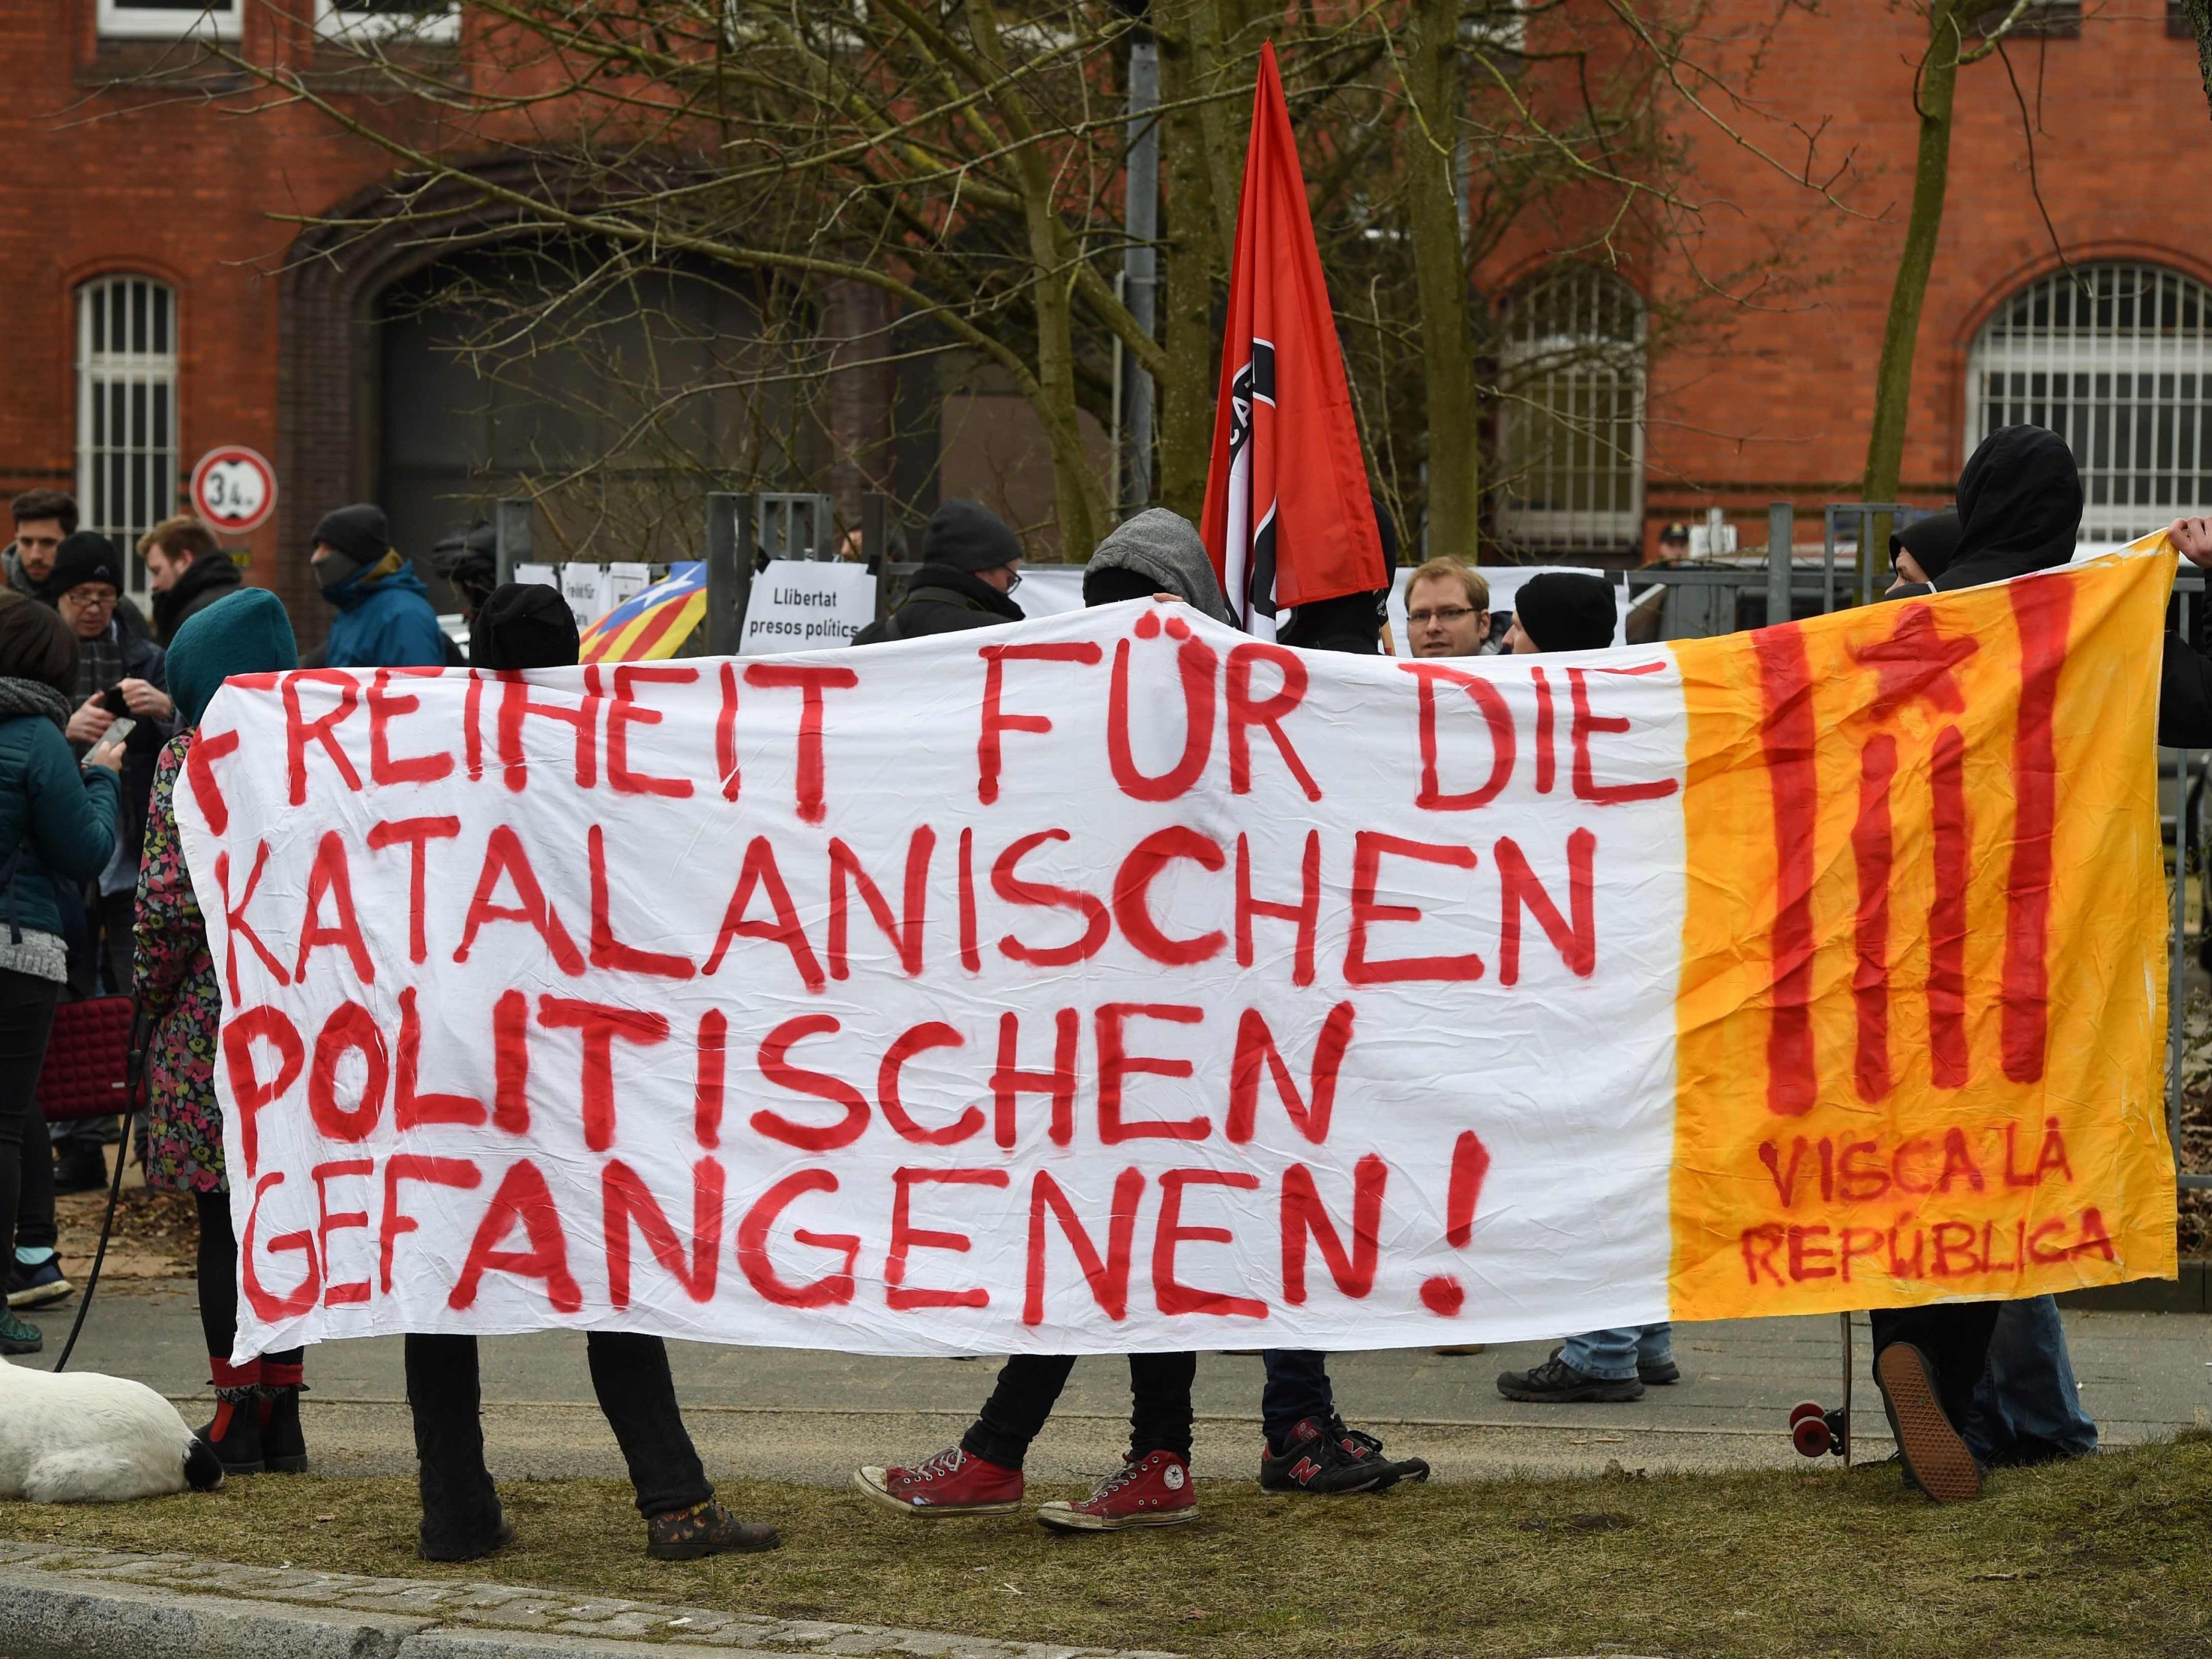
<point x="1117" y="982"/>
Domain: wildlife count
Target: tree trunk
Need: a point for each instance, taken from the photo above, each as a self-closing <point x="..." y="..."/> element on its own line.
<point x="1079" y="490"/>
<point x="2199" y="13"/>
<point x="1892" y="386"/>
<point x="1432" y="80"/>
<point x="1186" y="392"/>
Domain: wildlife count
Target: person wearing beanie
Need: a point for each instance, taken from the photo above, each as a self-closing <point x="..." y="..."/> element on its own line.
<point x="468" y="560"/>
<point x="1923" y="550"/>
<point x="1562" y="610"/>
<point x="521" y="626"/>
<point x="384" y="615"/>
<point x="971" y="563"/>
<point x="57" y="829"/>
<point x="119" y="676"/>
<point x="256" y="1424"/>
<point x="1565" y="610"/>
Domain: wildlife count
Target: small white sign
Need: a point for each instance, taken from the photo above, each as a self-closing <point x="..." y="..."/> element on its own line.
<point x="797" y="604"/>
<point x="625" y="583"/>
<point x="537" y="575"/>
<point x="581" y="585"/>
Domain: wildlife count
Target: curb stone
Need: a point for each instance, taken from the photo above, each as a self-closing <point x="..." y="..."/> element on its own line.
<point x="61" y="1602"/>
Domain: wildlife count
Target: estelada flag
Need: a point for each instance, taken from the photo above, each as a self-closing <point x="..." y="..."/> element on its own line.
<point x="1289" y="520"/>
<point x="651" y="625"/>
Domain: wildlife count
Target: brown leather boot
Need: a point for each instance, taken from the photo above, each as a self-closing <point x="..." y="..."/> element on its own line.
<point x="705" y="1529"/>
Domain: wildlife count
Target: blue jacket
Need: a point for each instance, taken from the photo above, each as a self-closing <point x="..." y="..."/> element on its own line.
<point x="62" y="817"/>
<point x="386" y="623"/>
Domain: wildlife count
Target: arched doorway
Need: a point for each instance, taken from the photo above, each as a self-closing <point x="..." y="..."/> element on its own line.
<point x="2116" y="358"/>
<point x="615" y="398"/>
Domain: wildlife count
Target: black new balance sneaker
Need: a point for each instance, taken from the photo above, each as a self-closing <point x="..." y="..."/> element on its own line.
<point x="1557" y="1382"/>
<point x="1364" y="1448"/>
<point x="1314" y="1461"/>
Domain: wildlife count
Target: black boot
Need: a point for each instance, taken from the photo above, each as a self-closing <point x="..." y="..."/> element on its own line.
<point x="283" y="1446"/>
<point x="236" y="1432"/>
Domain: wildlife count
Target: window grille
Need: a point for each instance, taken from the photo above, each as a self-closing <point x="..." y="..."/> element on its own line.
<point x="168" y="20"/>
<point x="126" y="409"/>
<point x="2117" y="359"/>
<point x="1572" y="427"/>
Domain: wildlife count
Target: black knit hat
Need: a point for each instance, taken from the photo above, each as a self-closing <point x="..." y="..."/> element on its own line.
<point x="36" y="644"/>
<point x="965" y="535"/>
<point x="1931" y="541"/>
<point x="523" y="625"/>
<point x="1564" y="610"/>
<point x="86" y="557"/>
<point x="358" y="531"/>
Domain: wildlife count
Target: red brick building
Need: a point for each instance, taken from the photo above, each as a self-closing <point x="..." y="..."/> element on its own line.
<point x="163" y="300"/>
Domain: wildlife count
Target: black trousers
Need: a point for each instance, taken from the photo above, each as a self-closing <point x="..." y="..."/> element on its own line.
<point x="1029" y="1384"/>
<point x="1955" y="1338"/>
<point x="26" y="1163"/>
<point x="1296" y="1388"/>
<point x="630" y="1374"/>
<point x="216" y="1263"/>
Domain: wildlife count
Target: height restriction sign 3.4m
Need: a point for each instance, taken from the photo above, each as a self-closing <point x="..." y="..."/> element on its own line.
<point x="233" y="488"/>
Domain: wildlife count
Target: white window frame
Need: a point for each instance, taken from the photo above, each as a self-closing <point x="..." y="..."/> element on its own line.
<point x="336" y="21"/>
<point x="2070" y="352"/>
<point x="140" y="384"/>
<point x="1582" y="361"/>
<point x="219" y="20"/>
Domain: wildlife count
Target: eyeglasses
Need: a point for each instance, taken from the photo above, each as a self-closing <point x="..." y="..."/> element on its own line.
<point x="1013" y="581"/>
<point x="84" y="601"/>
<point x="1422" y="618"/>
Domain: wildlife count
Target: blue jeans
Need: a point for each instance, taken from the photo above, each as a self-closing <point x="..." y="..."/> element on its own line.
<point x="1297" y="1387"/>
<point x="2027" y="1407"/>
<point x="1614" y="1356"/>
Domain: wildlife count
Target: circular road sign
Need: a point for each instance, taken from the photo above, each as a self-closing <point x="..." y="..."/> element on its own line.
<point x="233" y="488"/>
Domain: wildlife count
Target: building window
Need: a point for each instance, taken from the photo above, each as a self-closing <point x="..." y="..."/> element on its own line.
<point x="389" y="20"/>
<point x="2117" y="359"/>
<point x="126" y="409"/>
<point x="1571" y="386"/>
<point x="168" y="20"/>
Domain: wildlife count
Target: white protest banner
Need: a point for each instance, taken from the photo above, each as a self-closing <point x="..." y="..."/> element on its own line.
<point x="624" y="582"/>
<point x="584" y="585"/>
<point x="1117" y="980"/>
<point x="803" y="605"/>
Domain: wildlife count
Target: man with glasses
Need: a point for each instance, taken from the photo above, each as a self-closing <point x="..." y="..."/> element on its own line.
<point x="1447" y="609"/>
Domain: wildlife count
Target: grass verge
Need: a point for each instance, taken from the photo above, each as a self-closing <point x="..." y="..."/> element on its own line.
<point x="2103" y="1557"/>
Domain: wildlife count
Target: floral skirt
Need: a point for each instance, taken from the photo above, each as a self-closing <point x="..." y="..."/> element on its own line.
<point x="183" y="1123"/>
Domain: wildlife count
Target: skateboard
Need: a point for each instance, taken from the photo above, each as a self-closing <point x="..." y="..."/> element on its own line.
<point x="1818" y="1432"/>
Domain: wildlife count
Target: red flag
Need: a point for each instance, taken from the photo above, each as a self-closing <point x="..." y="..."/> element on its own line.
<point x="1289" y="520"/>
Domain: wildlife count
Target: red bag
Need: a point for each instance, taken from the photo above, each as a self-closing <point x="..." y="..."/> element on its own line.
<point x="88" y="1069"/>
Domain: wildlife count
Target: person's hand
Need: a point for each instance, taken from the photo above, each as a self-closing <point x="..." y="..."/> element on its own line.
<point x="2192" y="539"/>
<point x="108" y="756"/>
<point x="147" y="702"/>
<point x="90" y="722"/>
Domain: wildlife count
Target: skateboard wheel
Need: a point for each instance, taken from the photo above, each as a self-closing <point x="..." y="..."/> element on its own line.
<point x="1799" y="1412"/>
<point x="1811" y="1437"/>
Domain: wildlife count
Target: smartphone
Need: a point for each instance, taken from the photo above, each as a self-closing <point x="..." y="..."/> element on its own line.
<point x="113" y="738"/>
<point x="114" y="702"/>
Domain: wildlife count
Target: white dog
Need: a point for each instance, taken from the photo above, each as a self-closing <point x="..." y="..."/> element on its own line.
<point x="84" y="1438"/>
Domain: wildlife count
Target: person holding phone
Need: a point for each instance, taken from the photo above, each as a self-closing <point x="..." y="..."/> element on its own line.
<point x="120" y="676"/>
<point x="57" y="828"/>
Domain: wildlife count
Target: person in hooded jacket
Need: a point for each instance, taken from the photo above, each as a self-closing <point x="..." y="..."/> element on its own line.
<point x="384" y="617"/>
<point x="2019" y="512"/>
<point x="970" y="565"/>
<point x="256" y="1424"/>
<point x="523" y="626"/>
<point x="1156" y="553"/>
<point x="56" y="825"/>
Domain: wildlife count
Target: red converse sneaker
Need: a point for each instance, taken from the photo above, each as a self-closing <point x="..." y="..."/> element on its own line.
<point x="951" y="1483"/>
<point x="1154" y="1491"/>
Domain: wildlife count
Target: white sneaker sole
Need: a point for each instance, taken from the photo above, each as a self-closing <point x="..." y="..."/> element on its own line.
<point x="39" y="1298"/>
<point x="1066" y="1517"/>
<point x="868" y="1481"/>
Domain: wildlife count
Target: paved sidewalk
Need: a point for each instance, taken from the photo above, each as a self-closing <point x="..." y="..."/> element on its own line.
<point x="95" y="1604"/>
<point x="810" y="1416"/>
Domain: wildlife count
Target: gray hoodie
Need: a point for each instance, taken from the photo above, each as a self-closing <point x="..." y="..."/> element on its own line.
<point x="1163" y="547"/>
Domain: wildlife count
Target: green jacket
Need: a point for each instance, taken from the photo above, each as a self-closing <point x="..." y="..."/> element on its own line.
<point x="61" y="816"/>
